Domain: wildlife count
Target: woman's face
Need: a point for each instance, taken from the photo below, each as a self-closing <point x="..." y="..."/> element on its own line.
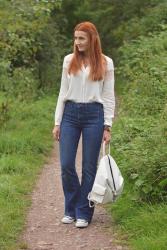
<point x="81" y="40"/>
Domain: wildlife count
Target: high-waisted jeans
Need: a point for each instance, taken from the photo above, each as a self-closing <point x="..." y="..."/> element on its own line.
<point x="88" y="119"/>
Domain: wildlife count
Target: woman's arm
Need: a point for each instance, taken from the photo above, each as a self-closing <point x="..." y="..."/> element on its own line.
<point x="108" y="95"/>
<point x="63" y="90"/>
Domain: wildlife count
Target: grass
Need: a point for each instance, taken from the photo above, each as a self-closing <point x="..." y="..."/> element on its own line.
<point x="145" y="226"/>
<point x="25" y="143"/>
<point x="140" y="225"/>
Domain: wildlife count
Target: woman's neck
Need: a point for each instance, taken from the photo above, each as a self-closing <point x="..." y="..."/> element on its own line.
<point x="85" y="55"/>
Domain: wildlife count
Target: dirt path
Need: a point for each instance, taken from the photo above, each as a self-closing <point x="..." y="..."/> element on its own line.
<point x="44" y="231"/>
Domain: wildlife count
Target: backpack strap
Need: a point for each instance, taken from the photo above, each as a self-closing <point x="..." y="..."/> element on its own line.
<point x="104" y="148"/>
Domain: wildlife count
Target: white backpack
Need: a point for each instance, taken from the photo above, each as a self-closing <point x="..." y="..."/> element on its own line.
<point x="108" y="184"/>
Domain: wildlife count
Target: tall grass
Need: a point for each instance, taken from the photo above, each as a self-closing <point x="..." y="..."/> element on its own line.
<point x="140" y="226"/>
<point x="25" y="143"/>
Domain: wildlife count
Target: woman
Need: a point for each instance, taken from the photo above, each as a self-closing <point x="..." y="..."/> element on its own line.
<point x="85" y="106"/>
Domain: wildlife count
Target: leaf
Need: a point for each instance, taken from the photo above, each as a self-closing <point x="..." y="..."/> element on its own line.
<point x="147" y="189"/>
<point x="139" y="183"/>
<point x="163" y="183"/>
<point x="133" y="176"/>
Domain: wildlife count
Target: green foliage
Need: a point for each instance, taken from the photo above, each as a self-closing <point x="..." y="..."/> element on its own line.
<point x="4" y="109"/>
<point x="31" y="50"/>
<point x="119" y="21"/>
<point x="50" y="56"/>
<point x="141" y="226"/>
<point x="142" y="135"/>
<point x="34" y="38"/>
<point x="142" y="69"/>
<point x="153" y="21"/>
<point x="26" y="49"/>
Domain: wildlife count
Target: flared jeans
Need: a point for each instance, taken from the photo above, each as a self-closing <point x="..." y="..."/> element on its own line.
<point x="86" y="119"/>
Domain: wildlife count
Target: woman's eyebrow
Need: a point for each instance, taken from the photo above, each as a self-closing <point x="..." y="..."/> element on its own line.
<point x="78" y="37"/>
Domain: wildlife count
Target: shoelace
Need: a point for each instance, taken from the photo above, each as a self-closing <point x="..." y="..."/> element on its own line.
<point x="69" y="217"/>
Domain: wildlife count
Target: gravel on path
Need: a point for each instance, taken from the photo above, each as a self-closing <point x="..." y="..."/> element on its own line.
<point x="44" y="230"/>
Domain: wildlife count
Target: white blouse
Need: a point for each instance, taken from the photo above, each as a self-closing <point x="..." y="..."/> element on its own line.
<point x="79" y="88"/>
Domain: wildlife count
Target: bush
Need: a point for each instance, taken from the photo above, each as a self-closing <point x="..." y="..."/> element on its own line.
<point x="142" y="126"/>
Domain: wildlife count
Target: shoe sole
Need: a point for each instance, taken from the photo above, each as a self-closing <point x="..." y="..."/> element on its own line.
<point x="67" y="222"/>
<point x="81" y="226"/>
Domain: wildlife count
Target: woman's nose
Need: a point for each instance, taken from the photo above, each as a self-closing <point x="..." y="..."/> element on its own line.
<point x="77" y="41"/>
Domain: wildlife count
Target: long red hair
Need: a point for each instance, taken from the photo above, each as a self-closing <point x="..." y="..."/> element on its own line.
<point x="96" y="58"/>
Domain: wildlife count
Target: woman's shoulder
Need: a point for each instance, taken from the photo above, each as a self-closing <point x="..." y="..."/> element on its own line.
<point x="69" y="56"/>
<point x="67" y="60"/>
<point x="110" y="63"/>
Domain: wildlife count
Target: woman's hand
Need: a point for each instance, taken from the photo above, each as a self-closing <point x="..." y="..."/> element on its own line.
<point x="106" y="136"/>
<point x="56" y="132"/>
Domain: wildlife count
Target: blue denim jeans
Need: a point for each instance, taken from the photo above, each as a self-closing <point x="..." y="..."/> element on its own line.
<point x="88" y="119"/>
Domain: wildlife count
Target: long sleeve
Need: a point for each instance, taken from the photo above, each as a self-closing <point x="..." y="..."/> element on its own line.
<point x="108" y="95"/>
<point x="63" y="90"/>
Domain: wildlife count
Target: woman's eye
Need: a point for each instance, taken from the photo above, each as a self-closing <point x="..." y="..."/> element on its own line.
<point x="79" y="38"/>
